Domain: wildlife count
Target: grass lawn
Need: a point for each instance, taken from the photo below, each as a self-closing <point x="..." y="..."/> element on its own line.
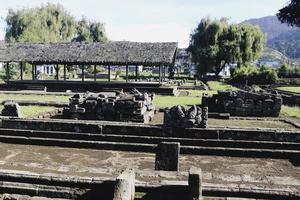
<point x="290" y="89"/>
<point x="33" y="111"/>
<point x="34" y="97"/>
<point x="194" y="97"/>
<point x="290" y="111"/>
<point x="216" y="85"/>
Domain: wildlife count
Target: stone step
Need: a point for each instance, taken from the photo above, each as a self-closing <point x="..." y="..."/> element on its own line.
<point x="142" y="147"/>
<point x="120" y="128"/>
<point x="154" y="182"/>
<point x="152" y="139"/>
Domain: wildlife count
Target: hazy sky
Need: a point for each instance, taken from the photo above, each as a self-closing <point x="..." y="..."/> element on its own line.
<point x="153" y="20"/>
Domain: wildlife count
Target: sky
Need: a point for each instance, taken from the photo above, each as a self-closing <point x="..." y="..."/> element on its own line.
<point x="153" y="20"/>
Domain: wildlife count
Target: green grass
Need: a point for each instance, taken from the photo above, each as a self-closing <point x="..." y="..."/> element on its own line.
<point x="195" y="97"/>
<point x="33" y="111"/>
<point x="216" y="85"/>
<point x="290" y="89"/>
<point x="34" y="97"/>
<point x="290" y="111"/>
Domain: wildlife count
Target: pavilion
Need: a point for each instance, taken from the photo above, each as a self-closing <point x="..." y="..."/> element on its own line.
<point x="112" y="53"/>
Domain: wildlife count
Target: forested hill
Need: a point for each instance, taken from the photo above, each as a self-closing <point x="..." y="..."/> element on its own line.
<point x="279" y="36"/>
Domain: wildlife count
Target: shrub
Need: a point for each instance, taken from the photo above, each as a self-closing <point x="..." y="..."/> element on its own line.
<point x="285" y="71"/>
<point x="252" y="75"/>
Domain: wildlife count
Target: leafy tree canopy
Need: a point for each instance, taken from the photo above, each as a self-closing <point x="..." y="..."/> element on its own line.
<point x="290" y="14"/>
<point x="216" y="43"/>
<point x="50" y="23"/>
<point x="90" y="31"/>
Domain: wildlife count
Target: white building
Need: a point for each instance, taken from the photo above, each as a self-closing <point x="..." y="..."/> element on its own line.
<point x="45" y="69"/>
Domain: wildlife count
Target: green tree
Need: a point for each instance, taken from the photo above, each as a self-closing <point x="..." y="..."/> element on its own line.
<point x="50" y="23"/>
<point x="215" y="44"/>
<point x="290" y="14"/>
<point x="90" y="31"/>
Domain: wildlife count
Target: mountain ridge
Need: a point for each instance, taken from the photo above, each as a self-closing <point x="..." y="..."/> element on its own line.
<point x="279" y="36"/>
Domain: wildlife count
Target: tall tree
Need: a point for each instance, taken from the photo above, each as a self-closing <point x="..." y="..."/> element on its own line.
<point x="90" y="31"/>
<point x="50" y="23"/>
<point x="215" y="43"/>
<point x="290" y="14"/>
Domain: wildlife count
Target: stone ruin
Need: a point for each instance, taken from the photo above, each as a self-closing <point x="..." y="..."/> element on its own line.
<point x="179" y="116"/>
<point x="244" y="103"/>
<point x="134" y="106"/>
<point x="11" y="109"/>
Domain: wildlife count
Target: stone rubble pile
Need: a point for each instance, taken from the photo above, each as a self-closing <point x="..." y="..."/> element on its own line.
<point x="179" y="116"/>
<point x="11" y="109"/>
<point x="134" y="106"/>
<point x="244" y="103"/>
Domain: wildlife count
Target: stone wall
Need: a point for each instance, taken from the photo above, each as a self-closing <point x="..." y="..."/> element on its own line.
<point x="134" y="106"/>
<point x="243" y="103"/>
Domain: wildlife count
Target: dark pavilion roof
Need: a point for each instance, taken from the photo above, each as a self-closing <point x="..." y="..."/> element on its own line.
<point x="109" y="53"/>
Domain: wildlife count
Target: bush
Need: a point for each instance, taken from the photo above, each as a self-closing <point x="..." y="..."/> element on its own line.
<point x="252" y="75"/>
<point x="268" y="74"/>
<point x="285" y="71"/>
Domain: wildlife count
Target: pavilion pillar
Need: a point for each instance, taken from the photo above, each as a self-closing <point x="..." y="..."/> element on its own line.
<point x="57" y="72"/>
<point x="159" y="73"/>
<point x="95" y="74"/>
<point x="82" y="73"/>
<point x="65" y="72"/>
<point x="136" y="73"/>
<point x="164" y="73"/>
<point x="32" y="71"/>
<point x="127" y="73"/>
<point x="108" y="73"/>
<point x="35" y="72"/>
<point x="7" y="72"/>
<point x="21" y="71"/>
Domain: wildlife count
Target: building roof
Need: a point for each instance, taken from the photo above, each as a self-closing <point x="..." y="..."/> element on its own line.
<point x="109" y="53"/>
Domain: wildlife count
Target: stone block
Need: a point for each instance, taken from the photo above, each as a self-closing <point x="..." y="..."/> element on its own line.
<point x="195" y="184"/>
<point x="11" y="109"/>
<point x="125" y="186"/>
<point x="167" y="156"/>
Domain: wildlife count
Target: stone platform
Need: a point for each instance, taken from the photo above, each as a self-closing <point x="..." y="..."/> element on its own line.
<point x="79" y="86"/>
<point x="222" y="176"/>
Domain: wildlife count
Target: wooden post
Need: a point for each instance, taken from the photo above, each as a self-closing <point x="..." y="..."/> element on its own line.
<point x="82" y="73"/>
<point x="95" y="73"/>
<point x="164" y="73"/>
<point x="108" y="73"/>
<point x="32" y="71"/>
<point x="65" y="72"/>
<point x="136" y="73"/>
<point x="35" y="72"/>
<point x="159" y="73"/>
<point x="7" y="72"/>
<point x="127" y="73"/>
<point x="57" y="72"/>
<point x="21" y="71"/>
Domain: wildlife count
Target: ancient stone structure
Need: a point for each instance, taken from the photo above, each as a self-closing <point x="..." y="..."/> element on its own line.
<point x="167" y="156"/>
<point x="134" y="106"/>
<point x="244" y="103"/>
<point x="195" y="183"/>
<point x="179" y="116"/>
<point x="11" y="109"/>
<point x="125" y="186"/>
